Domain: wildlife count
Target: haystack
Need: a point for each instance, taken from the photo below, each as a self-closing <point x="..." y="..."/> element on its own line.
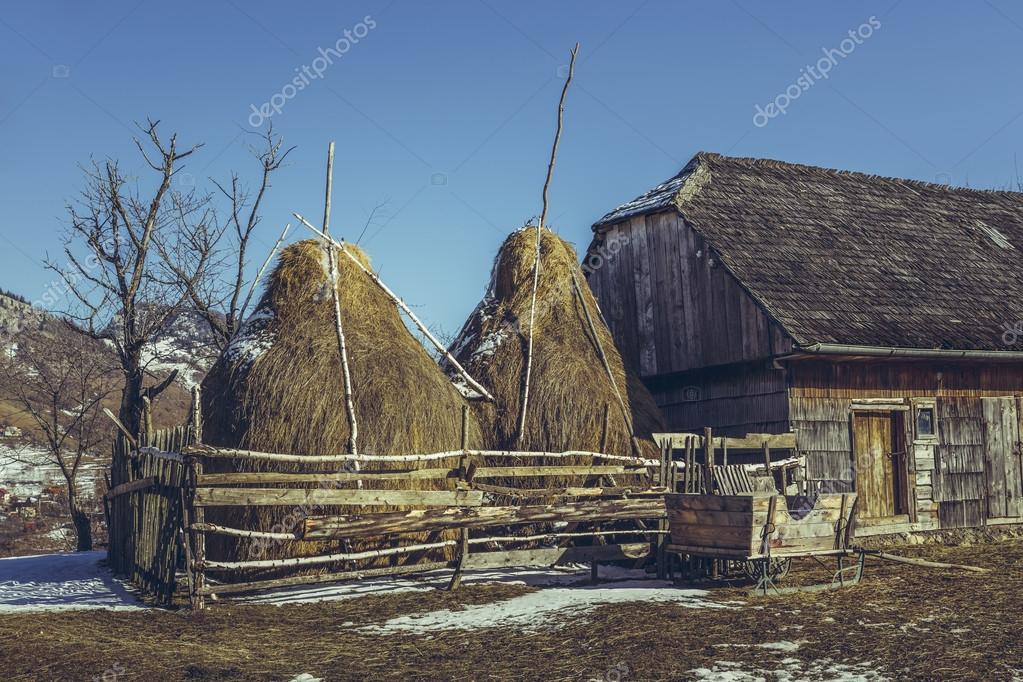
<point x="278" y="387"/>
<point x="570" y="387"/>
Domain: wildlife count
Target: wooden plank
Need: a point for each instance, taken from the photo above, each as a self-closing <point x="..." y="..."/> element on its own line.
<point x="230" y="453"/>
<point x="417" y="474"/>
<point x="735" y="538"/>
<point x="733" y="503"/>
<point x="751" y="441"/>
<point x="551" y="556"/>
<point x="647" y="342"/>
<point x="574" y="491"/>
<point x="254" y="586"/>
<point x="419" y="520"/>
<point x="234" y="497"/>
<point x="132" y="487"/>
<point x="326" y="477"/>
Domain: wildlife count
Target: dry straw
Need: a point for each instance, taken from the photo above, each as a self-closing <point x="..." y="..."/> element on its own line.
<point x="571" y="387"/>
<point x="279" y="387"/>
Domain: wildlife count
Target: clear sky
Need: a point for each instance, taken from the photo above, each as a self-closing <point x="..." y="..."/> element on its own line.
<point x="446" y="109"/>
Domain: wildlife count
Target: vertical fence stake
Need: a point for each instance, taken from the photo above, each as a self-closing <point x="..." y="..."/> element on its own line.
<point x="463" y="482"/>
<point x="197" y="514"/>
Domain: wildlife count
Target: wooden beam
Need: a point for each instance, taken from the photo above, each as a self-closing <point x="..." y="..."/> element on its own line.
<point x="231" y="453"/>
<point x="244" y="497"/>
<point x="418" y="474"/>
<point x="419" y="520"/>
<point x="575" y="491"/>
<point x="549" y="556"/>
<point x="326" y="477"/>
<point x="132" y="487"/>
<point x="751" y="441"/>
<point x="236" y="588"/>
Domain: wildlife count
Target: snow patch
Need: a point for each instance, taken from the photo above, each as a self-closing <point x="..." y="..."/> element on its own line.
<point x="54" y="582"/>
<point x="253" y="339"/>
<point x="546" y="609"/>
<point x="790" y="670"/>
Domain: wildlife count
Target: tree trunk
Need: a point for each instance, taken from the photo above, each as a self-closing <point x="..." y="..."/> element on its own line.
<point x="83" y="526"/>
<point x="131" y="402"/>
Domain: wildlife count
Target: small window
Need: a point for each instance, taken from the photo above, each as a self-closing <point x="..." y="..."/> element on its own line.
<point x="925" y="422"/>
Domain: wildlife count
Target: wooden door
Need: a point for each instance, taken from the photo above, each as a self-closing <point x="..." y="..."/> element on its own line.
<point x="876" y="457"/>
<point x="1003" y="471"/>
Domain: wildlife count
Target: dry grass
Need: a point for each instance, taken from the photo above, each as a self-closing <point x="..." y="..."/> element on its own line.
<point x="906" y="622"/>
<point x="291" y="398"/>
<point x="570" y="387"/>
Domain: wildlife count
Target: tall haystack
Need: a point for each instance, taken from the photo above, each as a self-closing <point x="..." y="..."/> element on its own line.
<point x="279" y="386"/>
<point x="570" y="387"/>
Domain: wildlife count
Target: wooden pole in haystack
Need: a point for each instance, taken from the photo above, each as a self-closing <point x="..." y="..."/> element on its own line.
<point x="475" y="385"/>
<point x="262" y="269"/>
<point x="353" y="426"/>
<point x="536" y="263"/>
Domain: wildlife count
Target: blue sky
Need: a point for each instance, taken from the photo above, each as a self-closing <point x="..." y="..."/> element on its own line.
<point x="446" y="110"/>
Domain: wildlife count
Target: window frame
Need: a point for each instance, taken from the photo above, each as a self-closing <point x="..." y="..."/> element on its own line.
<point x="925" y="404"/>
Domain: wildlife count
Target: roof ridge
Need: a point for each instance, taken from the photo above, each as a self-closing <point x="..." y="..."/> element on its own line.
<point x="714" y="157"/>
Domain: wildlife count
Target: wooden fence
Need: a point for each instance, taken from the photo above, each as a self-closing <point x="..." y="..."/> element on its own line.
<point x="619" y="522"/>
<point x="143" y="507"/>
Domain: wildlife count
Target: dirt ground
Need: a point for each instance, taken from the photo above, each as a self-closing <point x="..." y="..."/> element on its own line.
<point x="901" y="622"/>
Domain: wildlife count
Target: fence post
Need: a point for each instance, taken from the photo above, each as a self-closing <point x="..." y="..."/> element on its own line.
<point x="708" y="459"/>
<point x="196" y="416"/>
<point x="197" y="515"/>
<point x="463" y="482"/>
<point x="664" y="475"/>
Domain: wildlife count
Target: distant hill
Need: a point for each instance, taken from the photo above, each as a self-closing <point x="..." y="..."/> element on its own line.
<point x="16" y="314"/>
<point x="186" y="345"/>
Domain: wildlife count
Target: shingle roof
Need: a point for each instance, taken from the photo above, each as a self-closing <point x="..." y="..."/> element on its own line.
<point x="842" y="257"/>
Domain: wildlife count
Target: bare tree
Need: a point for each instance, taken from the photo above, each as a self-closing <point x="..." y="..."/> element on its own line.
<point x="61" y="381"/>
<point x="222" y="294"/>
<point x="120" y="290"/>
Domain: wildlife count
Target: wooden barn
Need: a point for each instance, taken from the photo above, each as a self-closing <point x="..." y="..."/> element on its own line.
<point x="879" y="319"/>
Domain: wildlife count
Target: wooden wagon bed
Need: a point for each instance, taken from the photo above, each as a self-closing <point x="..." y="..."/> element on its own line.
<point x="763" y="529"/>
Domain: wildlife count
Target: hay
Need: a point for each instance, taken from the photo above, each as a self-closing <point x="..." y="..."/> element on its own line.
<point x="570" y="388"/>
<point x="278" y="387"/>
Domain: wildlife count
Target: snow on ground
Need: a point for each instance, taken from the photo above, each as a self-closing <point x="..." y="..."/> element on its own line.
<point x="549" y="608"/>
<point x="47" y="582"/>
<point x="24" y="479"/>
<point x="535" y="577"/>
<point x="80" y="581"/>
<point x="790" y="670"/>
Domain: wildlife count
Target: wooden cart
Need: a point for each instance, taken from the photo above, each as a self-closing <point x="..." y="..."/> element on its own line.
<point x="767" y="531"/>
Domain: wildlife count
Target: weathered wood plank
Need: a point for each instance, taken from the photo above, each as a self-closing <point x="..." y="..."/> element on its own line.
<point x="557" y="555"/>
<point x="418" y="520"/>
<point x="132" y="487"/>
<point x="217" y="497"/>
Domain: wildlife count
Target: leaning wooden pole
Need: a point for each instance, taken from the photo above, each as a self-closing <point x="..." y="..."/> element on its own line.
<point x="524" y="403"/>
<point x="342" y="348"/>
<point x="475" y="385"/>
<point x="262" y="269"/>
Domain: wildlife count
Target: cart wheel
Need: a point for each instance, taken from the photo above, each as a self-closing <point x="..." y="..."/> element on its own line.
<point x="778" y="569"/>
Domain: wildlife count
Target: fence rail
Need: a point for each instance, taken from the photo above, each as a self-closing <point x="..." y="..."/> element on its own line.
<point x="593" y="508"/>
<point x="484" y="508"/>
